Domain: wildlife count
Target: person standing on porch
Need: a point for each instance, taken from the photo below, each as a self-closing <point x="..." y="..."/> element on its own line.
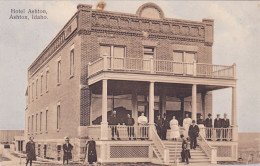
<point x="91" y="151"/>
<point x="175" y="132"/>
<point x="164" y="127"/>
<point x="225" y="125"/>
<point x="114" y="122"/>
<point x="201" y="126"/>
<point x="130" y="127"/>
<point x="193" y="134"/>
<point x="67" y="148"/>
<point x="186" y="124"/>
<point x="208" y="124"/>
<point x="142" y="121"/>
<point x="218" y="126"/>
<point x="30" y="151"/>
<point x="159" y="125"/>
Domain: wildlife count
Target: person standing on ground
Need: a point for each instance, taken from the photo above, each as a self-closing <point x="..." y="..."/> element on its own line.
<point x="175" y="132"/>
<point x="193" y="134"/>
<point x="91" y="151"/>
<point x="30" y="151"/>
<point x="67" y="148"/>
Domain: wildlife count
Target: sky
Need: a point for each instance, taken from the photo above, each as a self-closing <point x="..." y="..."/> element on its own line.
<point x="236" y="40"/>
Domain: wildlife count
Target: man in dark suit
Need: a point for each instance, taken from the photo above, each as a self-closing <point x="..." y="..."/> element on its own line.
<point x="218" y="126"/>
<point x="67" y="148"/>
<point x="114" y="122"/>
<point x="225" y="125"/>
<point x="165" y="126"/>
<point x="159" y="125"/>
<point x="208" y="125"/>
<point x="193" y="134"/>
<point x="130" y="127"/>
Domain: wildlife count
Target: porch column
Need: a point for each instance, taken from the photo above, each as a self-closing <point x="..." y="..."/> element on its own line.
<point x="203" y="104"/>
<point x="104" y="123"/>
<point x="194" y="102"/>
<point x="163" y="102"/>
<point x="234" y="115"/>
<point x="151" y="107"/>
<point x="134" y="105"/>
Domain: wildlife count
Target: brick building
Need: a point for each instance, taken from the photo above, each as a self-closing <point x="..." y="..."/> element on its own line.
<point x="102" y="61"/>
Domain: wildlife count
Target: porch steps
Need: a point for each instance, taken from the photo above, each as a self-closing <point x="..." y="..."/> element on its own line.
<point x="175" y="148"/>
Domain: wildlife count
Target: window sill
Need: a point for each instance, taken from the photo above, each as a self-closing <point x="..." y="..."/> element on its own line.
<point x="46" y="132"/>
<point x="71" y="76"/>
<point x="58" y="130"/>
<point x="58" y="84"/>
<point x="47" y="91"/>
<point x="41" y="94"/>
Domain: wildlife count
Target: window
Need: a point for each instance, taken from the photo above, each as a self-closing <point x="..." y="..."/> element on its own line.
<point x="58" y="72"/>
<point x="46" y="121"/>
<point x="28" y="125"/>
<point x="29" y="95"/>
<point x="36" y="87"/>
<point x="32" y="124"/>
<point x="149" y="51"/>
<point x="41" y="84"/>
<point x="105" y="50"/>
<point x="40" y="121"/>
<point x="36" y="122"/>
<point x="181" y="56"/>
<point x="47" y="79"/>
<point x="71" y="62"/>
<point x="58" y="116"/>
<point x="32" y="90"/>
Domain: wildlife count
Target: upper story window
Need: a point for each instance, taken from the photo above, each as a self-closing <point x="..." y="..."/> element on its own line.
<point x="29" y="95"/>
<point x="32" y="124"/>
<point x="46" y="120"/>
<point x="47" y="81"/>
<point x="32" y="90"/>
<point x="59" y="72"/>
<point x="182" y="56"/>
<point x="41" y="84"/>
<point x="58" y="116"/>
<point x="28" y="125"/>
<point x="40" y="121"/>
<point x="36" y="122"/>
<point x="113" y="51"/>
<point x="72" y="62"/>
<point x="148" y="52"/>
<point x="36" y="89"/>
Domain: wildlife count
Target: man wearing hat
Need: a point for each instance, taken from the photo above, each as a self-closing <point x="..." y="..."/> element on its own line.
<point x="193" y="134"/>
<point x="225" y="125"/>
<point x="67" y="148"/>
<point x="208" y="124"/>
<point x="218" y="126"/>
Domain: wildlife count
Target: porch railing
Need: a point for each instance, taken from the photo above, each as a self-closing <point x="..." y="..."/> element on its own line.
<point x="218" y="134"/>
<point x="164" y="152"/>
<point x="210" y="151"/>
<point x="128" y="132"/>
<point x="154" y="66"/>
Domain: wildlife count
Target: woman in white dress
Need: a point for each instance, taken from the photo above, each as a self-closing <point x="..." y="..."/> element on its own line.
<point x="201" y="126"/>
<point x="186" y="124"/>
<point x="175" y="132"/>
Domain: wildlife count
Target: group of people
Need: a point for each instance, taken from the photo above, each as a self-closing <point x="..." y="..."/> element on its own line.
<point x="90" y="152"/>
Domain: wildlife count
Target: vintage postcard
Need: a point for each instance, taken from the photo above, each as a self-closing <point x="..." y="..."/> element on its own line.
<point x="114" y="82"/>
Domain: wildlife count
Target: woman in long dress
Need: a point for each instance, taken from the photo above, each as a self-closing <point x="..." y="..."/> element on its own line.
<point x="201" y="126"/>
<point x="186" y="124"/>
<point x="175" y="132"/>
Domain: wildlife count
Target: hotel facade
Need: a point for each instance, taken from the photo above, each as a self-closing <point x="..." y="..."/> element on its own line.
<point x="132" y="63"/>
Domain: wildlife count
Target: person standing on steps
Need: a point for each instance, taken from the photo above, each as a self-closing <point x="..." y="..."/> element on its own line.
<point x="175" y="132"/>
<point x="185" y="150"/>
<point x="159" y="125"/>
<point x="186" y="124"/>
<point x="201" y="125"/>
<point x="30" y="151"/>
<point x="193" y="134"/>
<point x="164" y="127"/>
